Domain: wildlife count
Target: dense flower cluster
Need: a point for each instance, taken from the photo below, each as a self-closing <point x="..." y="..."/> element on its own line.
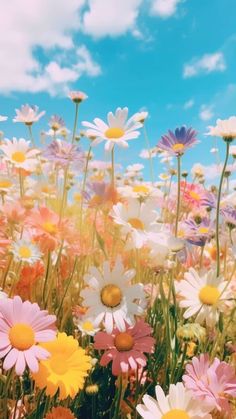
<point x="117" y="293"/>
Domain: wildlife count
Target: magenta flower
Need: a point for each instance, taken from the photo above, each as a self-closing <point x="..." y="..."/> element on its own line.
<point x="22" y="326"/>
<point x="125" y="349"/>
<point x="178" y="142"/>
<point x="214" y="383"/>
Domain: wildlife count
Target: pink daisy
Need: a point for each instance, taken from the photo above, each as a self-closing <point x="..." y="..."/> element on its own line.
<point x="212" y="382"/>
<point x="22" y="326"/>
<point x="125" y="349"/>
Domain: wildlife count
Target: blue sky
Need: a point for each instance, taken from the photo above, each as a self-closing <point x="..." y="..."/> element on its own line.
<point x="174" y="58"/>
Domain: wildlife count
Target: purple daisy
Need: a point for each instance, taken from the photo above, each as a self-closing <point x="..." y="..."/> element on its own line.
<point x="63" y="153"/>
<point x="56" y="122"/>
<point x="198" y="233"/>
<point x="229" y="214"/>
<point x="176" y="143"/>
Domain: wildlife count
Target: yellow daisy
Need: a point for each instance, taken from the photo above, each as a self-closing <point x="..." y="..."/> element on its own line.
<point x="66" y="368"/>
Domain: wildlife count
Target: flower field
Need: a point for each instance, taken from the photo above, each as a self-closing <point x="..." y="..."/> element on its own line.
<point x="117" y="294"/>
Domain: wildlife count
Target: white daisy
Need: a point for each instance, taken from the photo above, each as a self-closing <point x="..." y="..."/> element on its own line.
<point x="140" y="116"/>
<point x="147" y="154"/>
<point x="6" y="184"/>
<point x="142" y="191"/>
<point x="86" y="326"/>
<point x="179" y="404"/>
<point x="136" y="220"/>
<point x="225" y="128"/>
<point x="28" y="114"/>
<point x="25" y="251"/>
<point x="204" y="296"/>
<point x="118" y="130"/>
<point x="19" y="153"/>
<point x="111" y="298"/>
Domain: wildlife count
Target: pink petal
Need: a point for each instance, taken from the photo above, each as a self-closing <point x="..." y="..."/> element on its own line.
<point x="20" y="363"/>
<point x="31" y="360"/>
<point x="10" y="359"/>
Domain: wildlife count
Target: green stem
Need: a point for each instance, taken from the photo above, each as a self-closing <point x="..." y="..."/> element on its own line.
<point x="31" y="134"/>
<point x="218" y="211"/>
<point x="178" y="197"/>
<point x="46" y="279"/>
<point x="84" y="183"/>
<point x="149" y="153"/>
<point x="113" y="167"/>
<point x="67" y="287"/>
<point x="75" y="121"/>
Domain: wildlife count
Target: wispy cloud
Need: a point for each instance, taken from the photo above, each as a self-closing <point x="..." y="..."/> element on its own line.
<point x="189" y="104"/>
<point x="205" y="64"/>
<point x="206" y="112"/>
<point x="164" y="8"/>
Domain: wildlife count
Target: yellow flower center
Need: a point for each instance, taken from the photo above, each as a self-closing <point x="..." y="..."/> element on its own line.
<point x="88" y="326"/>
<point x="194" y="195"/>
<point x="141" y="188"/>
<point x="209" y="295"/>
<point x="18" y="157"/>
<point x="136" y="223"/>
<point x="25" y="252"/>
<point x="77" y="197"/>
<point x="114" y="133"/>
<point x="124" y="342"/>
<point x="176" y="414"/>
<point x="178" y="147"/>
<point x="58" y="364"/>
<point x="111" y="295"/>
<point x="21" y="336"/>
<point x="5" y="183"/>
<point x="50" y="227"/>
<point x="203" y="230"/>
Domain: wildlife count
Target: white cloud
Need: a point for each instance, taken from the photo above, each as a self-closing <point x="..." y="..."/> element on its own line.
<point x="110" y="18"/>
<point x="48" y="26"/>
<point x="164" y="8"/>
<point x="205" y="64"/>
<point x="189" y="104"/>
<point x="206" y="113"/>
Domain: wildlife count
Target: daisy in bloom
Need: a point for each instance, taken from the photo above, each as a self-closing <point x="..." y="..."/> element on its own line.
<point x="19" y="153"/>
<point x="56" y="123"/>
<point x="141" y="191"/>
<point x="125" y="349"/>
<point x="66" y="369"/>
<point x="176" y="143"/>
<point x="86" y="326"/>
<point x="204" y="296"/>
<point x="25" y="251"/>
<point x="77" y="96"/>
<point x="22" y="326"/>
<point x="6" y="184"/>
<point x="198" y="233"/>
<point x="136" y="220"/>
<point x="213" y="383"/>
<point x="28" y="114"/>
<point x="224" y="128"/>
<point x="192" y="194"/>
<point x="179" y="404"/>
<point x="118" y="130"/>
<point x="62" y="153"/>
<point x="60" y="412"/>
<point x="140" y="117"/>
<point x="111" y="298"/>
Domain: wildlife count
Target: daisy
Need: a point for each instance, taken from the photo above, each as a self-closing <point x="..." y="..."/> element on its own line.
<point x="225" y="128"/>
<point x="141" y="191"/>
<point x="179" y="404"/>
<point x="77" y="96"/>
<point x="176" y="143"/>
<point x="111" y="298"/>
<point x="203" y="296"/>
<point x="25" y="251"/>
<point x="66" y="369"/>
<point x="56" y="123"/>
<point x="19" y="153"/>
<point x="6" y="184"/>
<point x="118" y="130"/>
<point x="28" y="114"/>
<point x="22" y="326"/>
<point x="125" y="349"/>
<point x="213" y="383"/>
<point x="62" y="153"/>
<point x="136" y="220"/>
<point x="140" y="117"/>
<point x="86" y="326"/>
<point x="198" y="233"/>
<point x="147" y="154"/>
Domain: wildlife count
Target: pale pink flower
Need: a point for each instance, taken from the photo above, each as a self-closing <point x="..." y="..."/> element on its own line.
<point x="212" y="382"/>
<point x="28" y="114"/>
<point x="125" y="349"/>
<point x="22" y="326"/>
<point x="77" y="96"/>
